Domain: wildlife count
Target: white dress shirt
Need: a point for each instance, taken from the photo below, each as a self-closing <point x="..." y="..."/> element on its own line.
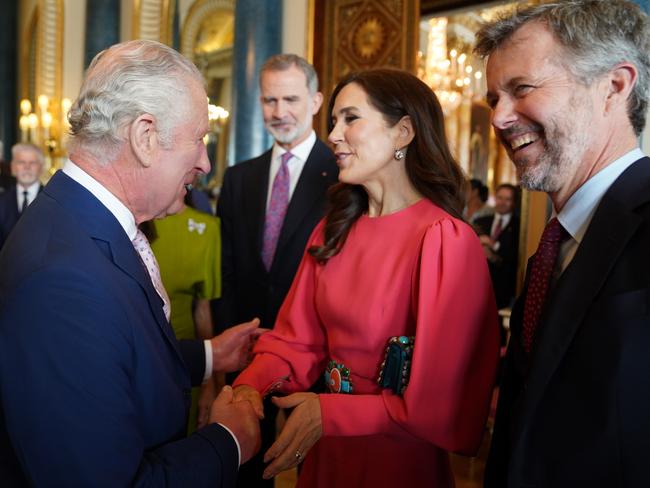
<point x="295" y="164"/>
<point x="32" y="192"/>
<point x="576" y="215"/>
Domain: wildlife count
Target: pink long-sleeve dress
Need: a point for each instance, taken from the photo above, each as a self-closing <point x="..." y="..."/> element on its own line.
<point x="418" y="272"/>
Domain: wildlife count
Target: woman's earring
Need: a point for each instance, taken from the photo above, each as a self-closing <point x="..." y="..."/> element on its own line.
<point x="399" y="154"/>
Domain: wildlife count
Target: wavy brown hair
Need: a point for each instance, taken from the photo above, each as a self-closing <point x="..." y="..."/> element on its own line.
<point x="429" y="164"/>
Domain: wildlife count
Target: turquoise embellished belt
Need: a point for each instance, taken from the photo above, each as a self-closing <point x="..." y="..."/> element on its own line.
<point x="337" y="378"/>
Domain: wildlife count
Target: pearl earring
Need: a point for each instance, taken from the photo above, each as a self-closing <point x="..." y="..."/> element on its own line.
<point x="399" y="154"/>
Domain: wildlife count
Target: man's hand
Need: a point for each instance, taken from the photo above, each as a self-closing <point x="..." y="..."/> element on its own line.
<point x="231" y="350"/>
<point x="247" y="393"/>
<point x="301" y="431"/>
<point x="240" y="419"/>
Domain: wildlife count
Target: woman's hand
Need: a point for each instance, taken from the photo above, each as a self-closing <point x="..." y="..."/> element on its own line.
<point x="301" y="431"/>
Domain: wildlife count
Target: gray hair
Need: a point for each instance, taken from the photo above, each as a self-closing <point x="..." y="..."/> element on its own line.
<point x="27" y="146"/>
<point x="124" y="82"/>
<point x="282" y="62"/>
<point x="595" y="35"/>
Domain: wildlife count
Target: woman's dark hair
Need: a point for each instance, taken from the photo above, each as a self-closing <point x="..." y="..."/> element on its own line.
<point x="429" y="164"/>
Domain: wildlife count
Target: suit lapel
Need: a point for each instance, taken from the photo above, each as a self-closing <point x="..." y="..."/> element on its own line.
<point x="308" y="191"/>
<point x="611" y="228"/>
<point x="108" y="234"/>
<point x="255" y="192"/>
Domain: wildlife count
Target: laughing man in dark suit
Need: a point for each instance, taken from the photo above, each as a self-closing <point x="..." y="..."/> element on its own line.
<point x="257" y="272"/>
<point x="568" y="86"/>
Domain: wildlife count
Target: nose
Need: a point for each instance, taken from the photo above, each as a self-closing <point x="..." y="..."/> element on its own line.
<point x="336" y="134"/>
<point x="203" y="163"/>
<point x="503" y="114"/>
<point x="279" y="109"/>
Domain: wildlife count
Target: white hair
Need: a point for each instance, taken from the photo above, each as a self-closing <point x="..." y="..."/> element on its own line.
<point x="122" y="83"/>
<point x="27" y="146"/>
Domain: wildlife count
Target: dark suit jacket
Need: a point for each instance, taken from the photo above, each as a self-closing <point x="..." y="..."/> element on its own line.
<point x="248" y="290"/>
<point x="577" y="414"/>
<point x="94" y="387"/>
<point x="9" y="213"/>
<point x="503" y="271"/>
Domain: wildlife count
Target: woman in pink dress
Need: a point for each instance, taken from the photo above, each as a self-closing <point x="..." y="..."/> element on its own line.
<point x="392" y="258"/>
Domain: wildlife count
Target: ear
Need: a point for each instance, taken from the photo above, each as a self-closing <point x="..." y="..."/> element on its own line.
<point x="317" y="101"/>
<point x="620" y="83"/>
<point x="405" y="132"/>
<point x="143" y="138"/>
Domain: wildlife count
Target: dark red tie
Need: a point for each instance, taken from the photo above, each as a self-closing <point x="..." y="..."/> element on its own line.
<point x="497" y="228"/>
<point x="541" y="273"/>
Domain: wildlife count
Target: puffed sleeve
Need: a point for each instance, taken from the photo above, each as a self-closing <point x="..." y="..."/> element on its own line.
<point x="291" y="357"/>
<point x="454" y="358"/>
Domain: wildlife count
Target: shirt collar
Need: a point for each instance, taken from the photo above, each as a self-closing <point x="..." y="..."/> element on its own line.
<point x="110" y="201"/>
<point x="576" y="215"/>
<point x="301" y="151"/>
<point x="32" y="190"/>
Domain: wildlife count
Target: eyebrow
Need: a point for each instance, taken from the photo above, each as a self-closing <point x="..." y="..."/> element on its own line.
<point x="346" y="110"/>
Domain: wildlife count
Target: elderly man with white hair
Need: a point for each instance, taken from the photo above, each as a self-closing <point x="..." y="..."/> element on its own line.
<point x="94" y="387"/>
<point x="26" y="167"/>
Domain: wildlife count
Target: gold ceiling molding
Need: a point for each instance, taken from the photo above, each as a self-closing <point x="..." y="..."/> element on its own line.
<point x="199" y="11"/>
<point x="154" y="20"/>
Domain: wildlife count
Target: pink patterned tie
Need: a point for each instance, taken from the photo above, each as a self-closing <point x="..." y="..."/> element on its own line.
<point x="541" y="272"/>
<point x="141" y="245"/>
<point x="276" y="211"/>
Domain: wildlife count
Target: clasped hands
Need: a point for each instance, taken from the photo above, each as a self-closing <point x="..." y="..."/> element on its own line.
<point x="301" y="430"/>
<point x="232" y="351"/>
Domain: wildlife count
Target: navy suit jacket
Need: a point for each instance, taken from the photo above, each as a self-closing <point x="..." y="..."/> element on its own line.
<point x="9" y="213"/>
<point x="576" y="412"/>
<point x="248" y="289"/>
<point x="94" y="387"/>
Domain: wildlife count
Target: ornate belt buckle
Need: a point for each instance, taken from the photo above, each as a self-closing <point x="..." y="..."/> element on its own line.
<point x="396" y="367"/>
<point x="337" y="378"/>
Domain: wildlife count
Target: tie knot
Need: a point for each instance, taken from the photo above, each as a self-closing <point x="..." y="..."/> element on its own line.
<point x="140" y="238"/>
<point x="286" y="157"/>
<point x="25" y="193"/>
<point x="554" y="232"/>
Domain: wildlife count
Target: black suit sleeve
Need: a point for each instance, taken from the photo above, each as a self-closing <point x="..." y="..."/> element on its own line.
<point x="224" y="310"/>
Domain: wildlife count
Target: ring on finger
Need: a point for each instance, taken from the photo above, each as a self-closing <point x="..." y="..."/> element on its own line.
<point x="298" y="455"/>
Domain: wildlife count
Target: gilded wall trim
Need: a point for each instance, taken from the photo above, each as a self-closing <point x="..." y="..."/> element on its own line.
<point x="50" y="49"/>
<point x="363" y="34"/>
<point x="198" y="11"/>
<point x="154" y="20"/>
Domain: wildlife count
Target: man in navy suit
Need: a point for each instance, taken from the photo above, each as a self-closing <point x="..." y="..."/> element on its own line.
<point x="94" y="387"/>
<point x="256" y="279"/>
<point x="568" y="86"/>
<point x="26" y="167"/>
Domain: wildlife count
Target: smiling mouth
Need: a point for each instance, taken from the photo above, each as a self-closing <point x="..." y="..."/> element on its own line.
<point x="523" y="141"/>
